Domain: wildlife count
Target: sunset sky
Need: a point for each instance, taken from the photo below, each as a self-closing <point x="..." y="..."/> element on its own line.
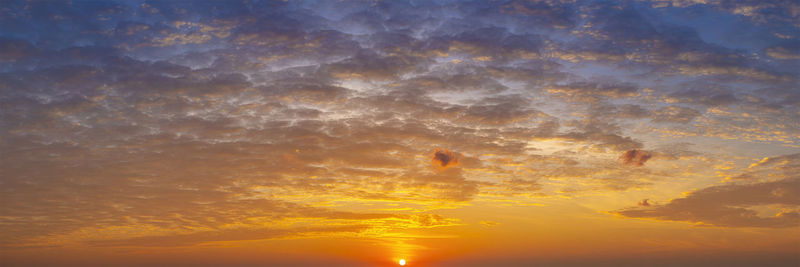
<point x="359" y="133"/>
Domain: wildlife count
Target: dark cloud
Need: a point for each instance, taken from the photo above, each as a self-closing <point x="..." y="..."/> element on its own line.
<point x="445" y="158"/>
<point x="635" y="157"/>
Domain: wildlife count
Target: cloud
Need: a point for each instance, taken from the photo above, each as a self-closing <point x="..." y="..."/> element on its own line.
<point x="602" y="134"/>
<point x="730" y="205"/>
<point x="704" y="93"/>
<point x="367" y="65"/>
<point x="547" y="13"/>
<point x="675" y="114"/>
<point x="360" y="223"/>
<point x="591" y="92"/>
<point x="190" y="116"/>
<point x="219" y="236"/>
<point x="522" y="186"/>
<point x="771" y="169"/>
<point x="489" y="223"/>
<point x="789" y="51"/>
<point x="625" y="37"/>
<point x="12" y="50"/>
<point x="772" y="13"/>
<point x="766" y="194"/>
<point x="446" y="184"/>
<point x="635" y="157"/>
<point x="444" y="158"/>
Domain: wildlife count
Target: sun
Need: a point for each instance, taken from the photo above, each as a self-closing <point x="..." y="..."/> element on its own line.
<point x="402" y="262"/>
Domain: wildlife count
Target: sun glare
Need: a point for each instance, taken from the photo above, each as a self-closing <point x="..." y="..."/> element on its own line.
<point x="402" y="262"/>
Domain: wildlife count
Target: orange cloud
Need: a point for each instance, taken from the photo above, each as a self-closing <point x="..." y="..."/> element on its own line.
<point x="635" y="157"/>
<point x="444" y="158"/>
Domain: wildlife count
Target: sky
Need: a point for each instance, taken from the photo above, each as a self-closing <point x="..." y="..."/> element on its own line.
<point x="360" y="133"/>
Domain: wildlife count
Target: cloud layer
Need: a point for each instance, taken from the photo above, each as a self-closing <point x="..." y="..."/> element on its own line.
<point x="770" y="186"/>
<point x="180" y="123"/>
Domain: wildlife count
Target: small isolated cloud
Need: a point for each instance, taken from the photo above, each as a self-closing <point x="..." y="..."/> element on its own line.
<point x="445" y="158"/>
<point x="635" y="157"/>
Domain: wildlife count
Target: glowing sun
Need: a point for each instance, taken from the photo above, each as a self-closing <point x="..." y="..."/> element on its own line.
<point x="402" y="262"/>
